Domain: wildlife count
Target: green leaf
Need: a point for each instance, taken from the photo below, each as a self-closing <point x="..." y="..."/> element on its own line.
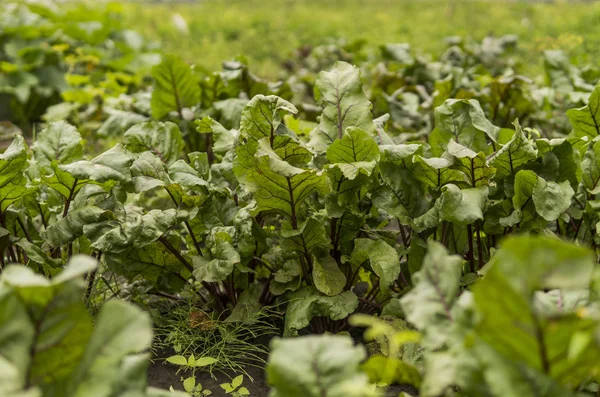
<point x="309" y="235"/>
<point x="59" y="142"/>
<point x="327" y="276"/>
<point x="152" y="262"/>
<point x="13" y="161"/>
<point x="308" y="303"/>
<point x="223" y="257"/>
<point x="429" y="305"/>
<point x="462" y="206"/>
<point x="317" y="366"/>
<point x="135" y="229"/>
<point x="586" y="120"/>
<point x="223" y="139"/>
<point x="205" y="361"/>
<point x="591" y="168"/>
<point x="383" y="258"/>
<point x="344" y="103"/>
<point x="70" y="227"/>
<point x="464" y="122"/>
<point x="472" y="164"/>
<point x="262" y="117"/>
<point x="237" y="381"/>
<point x="162" y="139"/>
<point x="278" y="186"/>
<point x="519" y="151"/>
<point x="247" y="307"/>
<point x="355" y="153"/>
<point x="402" y="193"/>
<point x="552" y="199"/>
<point x="397" y="371"/>
<point x="508" y="322"/>
<point x="177" y="360"/>
<point x="533" y="263"/>
<point x="435" y="172"/>
<point x="175" y="87"/>
<point x="189" y="384"/>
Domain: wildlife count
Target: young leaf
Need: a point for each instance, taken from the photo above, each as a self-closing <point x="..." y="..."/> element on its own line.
<point x="383" y="258"/>
<point x="462" y="206"/>
<point x="237" y="381"/>
<point x="189" y="384"/>
<point x="308" y="303"/>
<point x="177" y="360"/>
<point x="552" y="199"/>
<point x="262" y="117"/>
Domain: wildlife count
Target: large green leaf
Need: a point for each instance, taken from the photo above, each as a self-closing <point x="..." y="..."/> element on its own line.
<point x="472" y="164"/>
<point x="175" y="87"/>
<point x="344" y="103"/>
<point x="514" y="328"/>
<point x="317" y="366"/>
<point x="278" y="186"/>
<point x="552" y="199"/>
<point x="59" y="142"/>
<point x="162" y="139"/>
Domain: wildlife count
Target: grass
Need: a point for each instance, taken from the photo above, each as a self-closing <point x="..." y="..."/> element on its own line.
<point x="268" y="31"/>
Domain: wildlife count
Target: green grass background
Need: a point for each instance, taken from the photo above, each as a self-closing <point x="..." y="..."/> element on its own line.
<point x="268" y="31"/>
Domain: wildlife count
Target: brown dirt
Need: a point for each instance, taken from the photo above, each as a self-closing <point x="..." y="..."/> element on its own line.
<point x="163" y="375"/>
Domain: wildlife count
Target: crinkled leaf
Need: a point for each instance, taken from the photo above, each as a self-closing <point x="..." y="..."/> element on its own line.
<point x="308" y="303"/>
<point x="59" y="142"/>
<point x="162" y="139"/>
<point x="464" y="122"/>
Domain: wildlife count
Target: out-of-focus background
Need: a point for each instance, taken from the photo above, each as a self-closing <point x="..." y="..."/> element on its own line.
<point x="269" y="31"/>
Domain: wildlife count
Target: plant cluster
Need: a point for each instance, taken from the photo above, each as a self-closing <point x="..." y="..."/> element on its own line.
<point x="54" y="59"/>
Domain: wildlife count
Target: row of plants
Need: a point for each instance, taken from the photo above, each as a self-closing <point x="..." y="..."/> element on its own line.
<point x="338" y="221"/>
